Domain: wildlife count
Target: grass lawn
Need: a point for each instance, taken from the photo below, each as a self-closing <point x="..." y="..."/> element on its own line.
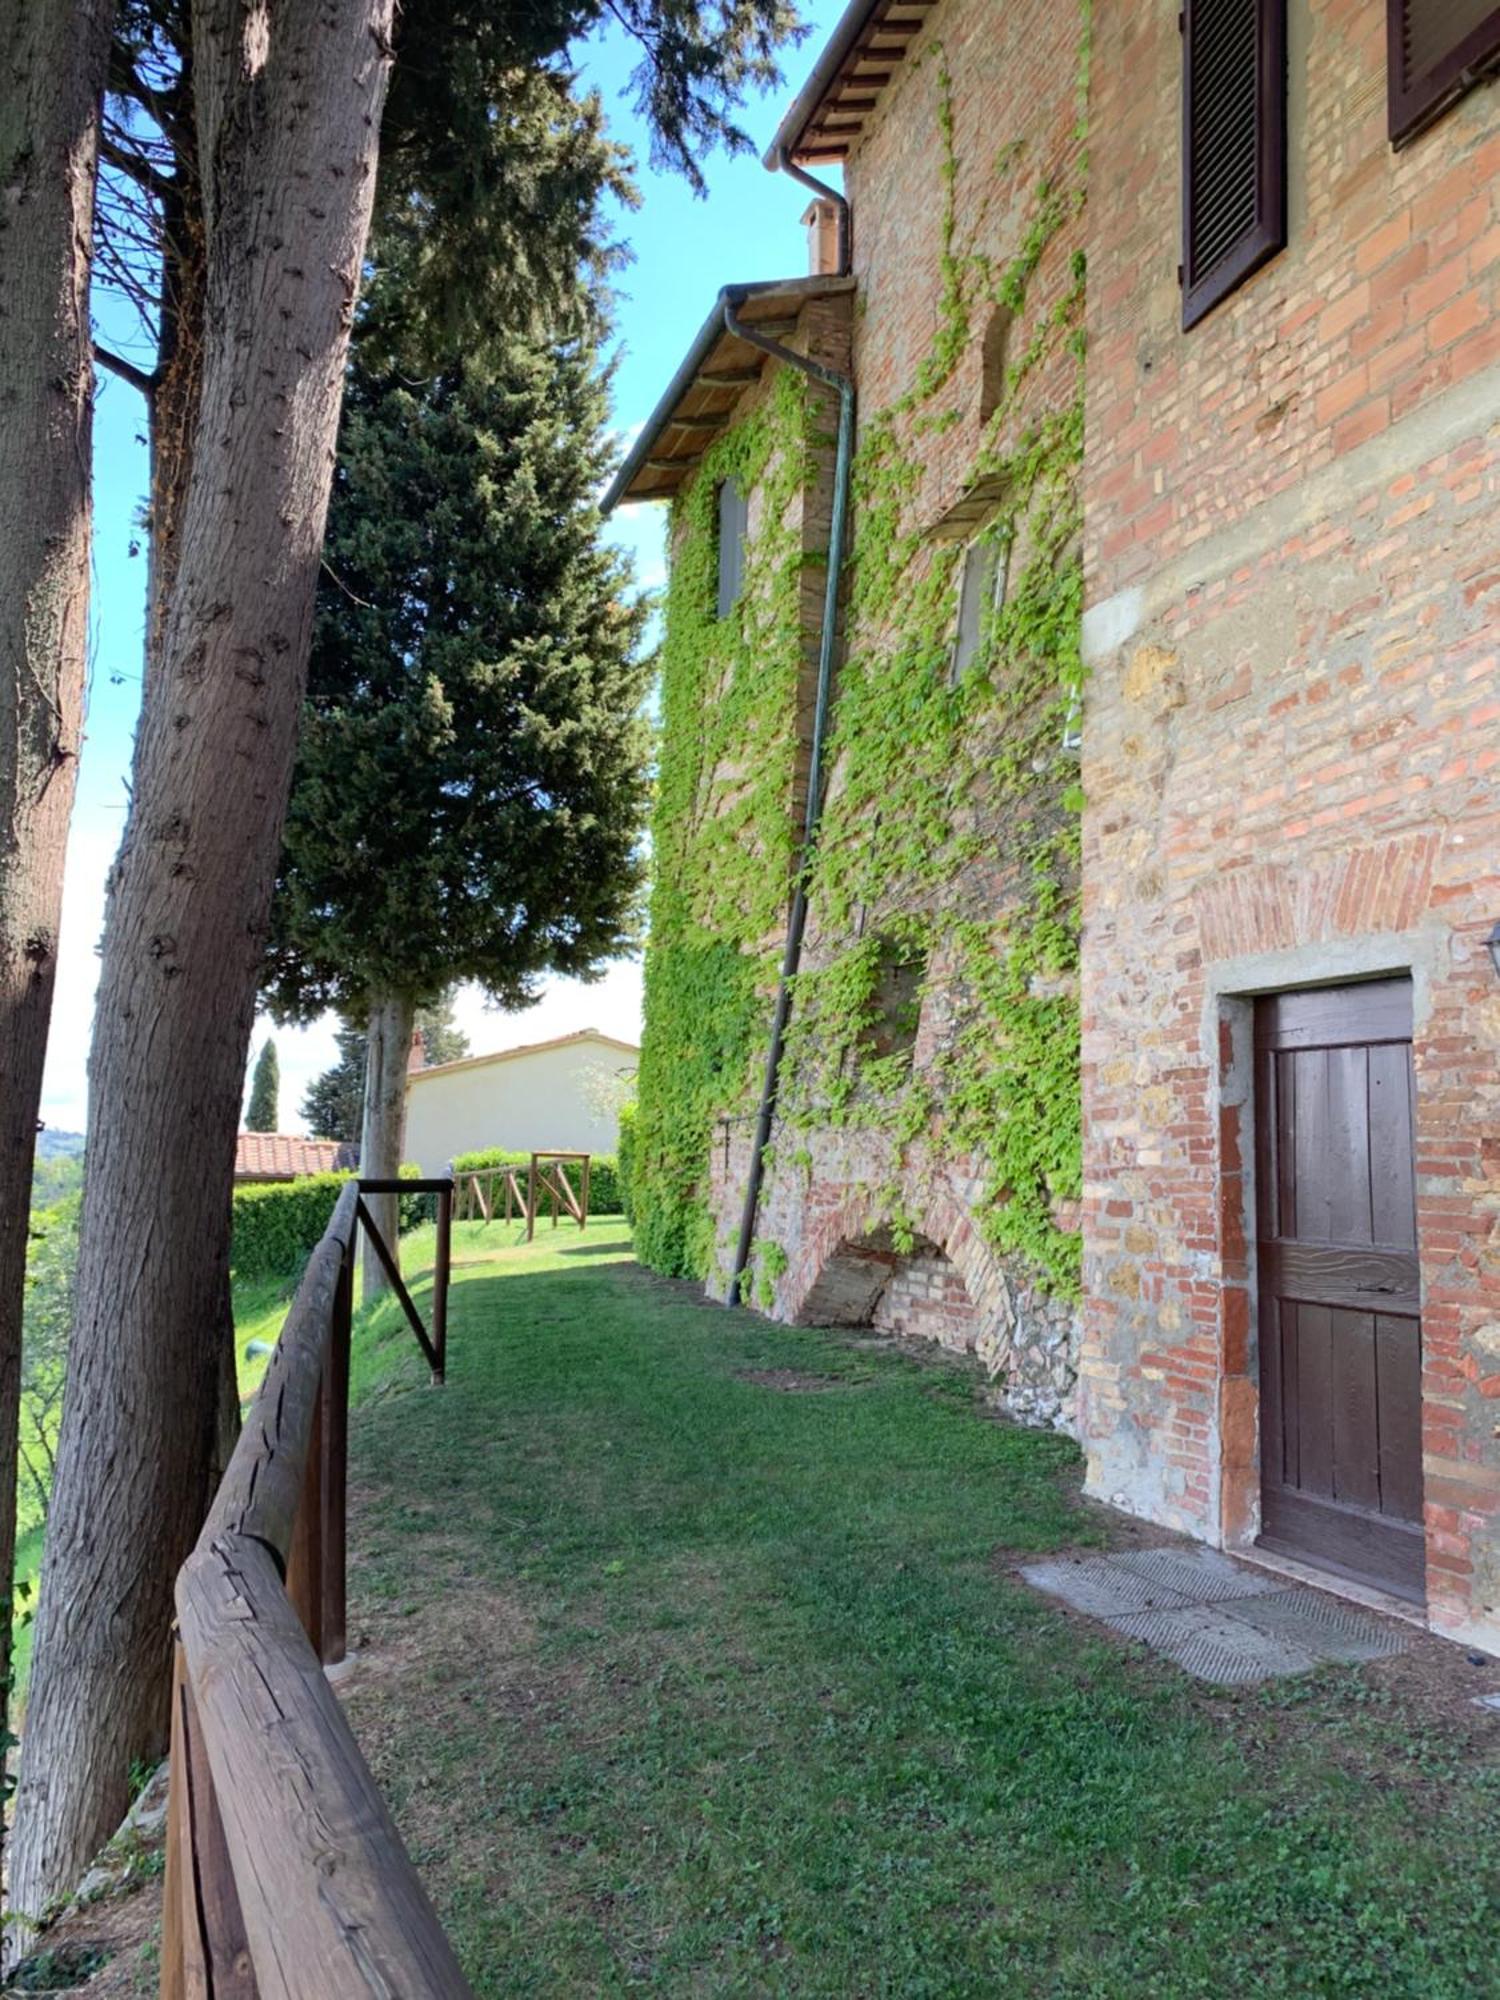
<point x="678" y="1681"/>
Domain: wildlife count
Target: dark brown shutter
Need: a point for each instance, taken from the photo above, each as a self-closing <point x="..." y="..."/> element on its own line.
<point x="1233" y="145"/>
<point x="1435" y="50"/>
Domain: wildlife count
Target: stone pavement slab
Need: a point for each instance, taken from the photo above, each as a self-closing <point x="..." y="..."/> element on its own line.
<point x="1215" y="1618"/>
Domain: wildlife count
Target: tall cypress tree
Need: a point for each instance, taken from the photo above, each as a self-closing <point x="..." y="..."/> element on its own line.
<point x="471" y="780"/>
<point x="265" y="1091"/>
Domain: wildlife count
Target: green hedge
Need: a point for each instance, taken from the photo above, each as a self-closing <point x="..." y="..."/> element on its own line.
<point x="604" y="1175"/>
<point x="625" y="1161"/>
<point x="278" y="1224"/>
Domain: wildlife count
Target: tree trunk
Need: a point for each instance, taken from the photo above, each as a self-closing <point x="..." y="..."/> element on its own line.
<point x="392" y="1017"/>
<point x="53" y="59"/>
<point x="287" y="104"/>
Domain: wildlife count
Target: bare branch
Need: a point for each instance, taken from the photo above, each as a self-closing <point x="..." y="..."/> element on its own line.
<point x="126" y="370"/>
<point x="134" y="164"/>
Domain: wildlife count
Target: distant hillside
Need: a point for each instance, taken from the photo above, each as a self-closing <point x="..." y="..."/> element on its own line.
<point x="59" y="1167"/>
<point x="52" y="1145"/>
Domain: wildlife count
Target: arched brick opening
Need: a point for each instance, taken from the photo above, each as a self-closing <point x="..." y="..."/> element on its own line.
<point x="947" y="1285"/>
<point x="916" y="1291"/>
<point x="942" y="1285"/>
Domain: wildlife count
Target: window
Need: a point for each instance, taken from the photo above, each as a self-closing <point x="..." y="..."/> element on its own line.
<point x="981" y="590"/>
<point x="992" y="363"/>
<point x="1233" y="145"/>
<point x="1072" y="734"/>
<point x="1436" y="50"/>
<point x="734" y="522"/>
<point x="896" y="1004"/>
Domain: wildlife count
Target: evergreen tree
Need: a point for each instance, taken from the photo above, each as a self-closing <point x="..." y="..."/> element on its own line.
<point x="214" y="157"/>
<point x="265" y="1090"/>
<point x="443" y="1041"/>
<point x="334" y="1103"/>
<point x="471" y="778"/>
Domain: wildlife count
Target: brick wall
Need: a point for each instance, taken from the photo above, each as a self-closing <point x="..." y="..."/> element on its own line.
<point x="1291" y="749"/>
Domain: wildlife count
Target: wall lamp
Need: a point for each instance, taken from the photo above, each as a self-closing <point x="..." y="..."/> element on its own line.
<point x="1492" y="945"/>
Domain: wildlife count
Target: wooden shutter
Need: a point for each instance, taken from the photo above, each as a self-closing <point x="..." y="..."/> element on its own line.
<point x="734" y="522"/>
<point x="1233" y="145"/>
<point x="1435" y="50"/>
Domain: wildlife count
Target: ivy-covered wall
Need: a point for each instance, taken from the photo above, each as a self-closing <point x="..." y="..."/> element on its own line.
<point x="735" y="725"/>
<point x="932" y="1064"/>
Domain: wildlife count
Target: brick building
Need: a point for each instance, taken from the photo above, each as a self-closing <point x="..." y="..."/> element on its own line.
<point x="1293" y="737"/>
<point x="1277" y="518"/>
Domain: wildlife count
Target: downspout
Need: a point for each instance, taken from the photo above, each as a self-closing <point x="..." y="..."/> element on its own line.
<point x="843" y="386"/>
<point x="785" y="164"/>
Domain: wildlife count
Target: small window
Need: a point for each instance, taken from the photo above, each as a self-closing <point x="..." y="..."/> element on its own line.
<point x="1233" y="145"/>
<point x="897" y="1002"/>
<point x="1436" y="50"/>
<point x="992" y="363"/>
<point x="734" y="522"/>
<point x="981" y="591"/>
<point x="1072" y="732"/>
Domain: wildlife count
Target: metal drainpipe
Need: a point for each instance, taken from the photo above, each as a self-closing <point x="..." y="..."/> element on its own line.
<point x="843" y="385"/>
<point x="787" y="165"/>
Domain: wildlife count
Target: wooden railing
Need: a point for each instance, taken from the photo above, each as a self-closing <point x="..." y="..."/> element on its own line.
<point x="483" y="1190"/>
<point x="286" y="1878"/>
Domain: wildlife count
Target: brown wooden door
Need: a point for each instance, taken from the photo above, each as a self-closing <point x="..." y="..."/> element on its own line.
<point x="1340" y="1326"/>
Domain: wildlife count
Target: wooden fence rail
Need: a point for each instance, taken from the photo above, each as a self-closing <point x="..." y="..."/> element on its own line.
<point x="286" y="1878"/>
<point x="482" y="1190"/>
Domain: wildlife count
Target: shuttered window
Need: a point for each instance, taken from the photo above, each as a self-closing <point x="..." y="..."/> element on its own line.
<point x="734" y="525"/>
<point x="1233" y="145"/>
<point x="1437" y="49"/>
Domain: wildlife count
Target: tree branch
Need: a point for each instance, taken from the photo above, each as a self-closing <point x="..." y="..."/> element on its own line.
<point x="136" y="167"/>
<point x="126" y="370"/>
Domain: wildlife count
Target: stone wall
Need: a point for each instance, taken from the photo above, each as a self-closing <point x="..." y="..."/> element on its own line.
<point x="1291" y="750"/>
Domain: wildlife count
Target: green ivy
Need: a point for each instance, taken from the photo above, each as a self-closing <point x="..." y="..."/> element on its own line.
<point x="724" y="825"/>
<point x="953" y="799"/>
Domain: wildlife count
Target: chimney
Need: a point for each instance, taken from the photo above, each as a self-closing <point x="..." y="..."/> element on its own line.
<point x="416" y="1055"/>
<point x="822" y="225"/>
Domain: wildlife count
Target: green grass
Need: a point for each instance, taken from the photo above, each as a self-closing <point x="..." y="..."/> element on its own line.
<point x="704" y="1688"/>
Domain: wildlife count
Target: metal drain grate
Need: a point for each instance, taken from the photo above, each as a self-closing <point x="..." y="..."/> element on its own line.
<point x="1332" y="1630"/>
<point x="1100" y="1586"/>
<point x="1200" y="1576"/>
<point x="1215" y="1645"/>
<point x="1213" y="1618"/>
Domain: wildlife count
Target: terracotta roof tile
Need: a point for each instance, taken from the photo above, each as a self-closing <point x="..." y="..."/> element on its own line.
<point x="283" y="1156"/>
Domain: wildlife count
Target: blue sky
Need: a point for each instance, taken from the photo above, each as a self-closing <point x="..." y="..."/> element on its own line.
<point x="684" y="250"/>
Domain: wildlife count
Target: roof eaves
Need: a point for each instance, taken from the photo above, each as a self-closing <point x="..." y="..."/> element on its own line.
<point x="794" y="290"/>
<point x="893" y="25"/>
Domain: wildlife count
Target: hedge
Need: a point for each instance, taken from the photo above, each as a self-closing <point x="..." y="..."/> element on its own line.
<point x="278" y="1224"/>
<point x="604" y="1175"/>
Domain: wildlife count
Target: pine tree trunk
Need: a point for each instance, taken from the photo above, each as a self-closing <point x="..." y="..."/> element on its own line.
<point x="52" y="68"/>
<point x="392" y="1016"/>
<point x="287" y="105"/>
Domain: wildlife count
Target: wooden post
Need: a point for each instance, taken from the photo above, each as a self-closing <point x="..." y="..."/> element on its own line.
<point x="335" y="1440"/>
<point x="440" y="1280"/>
<point x="552" y="1183"/>
<point x="588" y="1161"/>
<point x="531" y="1199"/>
<point x="205" y="1953"/>
<point x="179" y="1912"/>
<point x="304" y="1562"/>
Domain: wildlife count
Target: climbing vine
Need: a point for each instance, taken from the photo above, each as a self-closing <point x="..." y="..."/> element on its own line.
<point x="951" y="830"/>
<point x="723" y="825"/>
